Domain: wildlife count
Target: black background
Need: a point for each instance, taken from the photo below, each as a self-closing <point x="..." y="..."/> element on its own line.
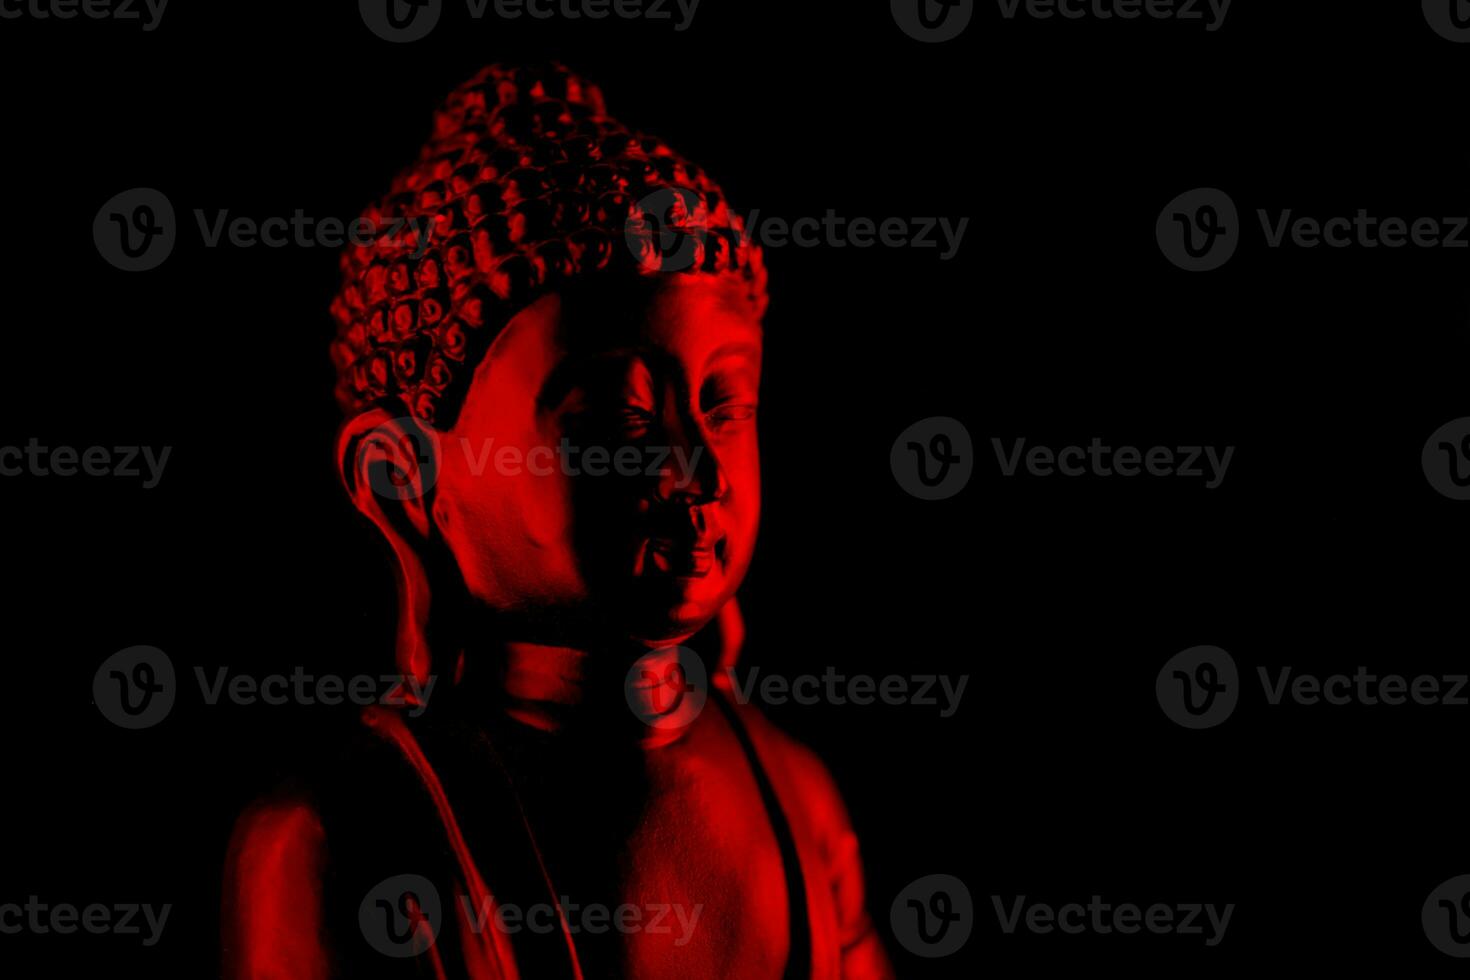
<point x="1059" y="778"/>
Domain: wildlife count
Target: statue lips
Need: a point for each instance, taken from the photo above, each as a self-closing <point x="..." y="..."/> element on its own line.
<point x="673" y="558"/>
<point x="685" y="542"/>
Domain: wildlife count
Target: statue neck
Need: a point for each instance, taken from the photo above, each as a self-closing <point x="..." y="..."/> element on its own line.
<point x="632" y="695"/>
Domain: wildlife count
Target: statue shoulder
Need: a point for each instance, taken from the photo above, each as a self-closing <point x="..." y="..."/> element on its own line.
<point x="274" y="867"/>
<point x="792" y="765"/>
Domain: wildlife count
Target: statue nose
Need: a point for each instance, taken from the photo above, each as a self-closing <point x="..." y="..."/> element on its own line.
<point x="690" y="483"/>
<point x="692" y="474"/>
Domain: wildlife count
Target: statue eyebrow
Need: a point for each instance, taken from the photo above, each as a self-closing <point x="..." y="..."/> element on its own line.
<point x="568" y="374"/>
<point x="733" y="349"/>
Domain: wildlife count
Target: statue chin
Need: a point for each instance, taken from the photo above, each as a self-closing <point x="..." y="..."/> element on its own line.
<point x="655" y="624"/>
<point x="661" y="609"/>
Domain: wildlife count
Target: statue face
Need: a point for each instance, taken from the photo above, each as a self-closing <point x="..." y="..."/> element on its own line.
<point x="602" y="481"/>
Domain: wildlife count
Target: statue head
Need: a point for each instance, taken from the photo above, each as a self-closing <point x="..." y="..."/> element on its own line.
<point x="549" y="361"/>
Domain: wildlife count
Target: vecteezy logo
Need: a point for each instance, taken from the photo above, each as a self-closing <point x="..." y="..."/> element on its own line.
<point x="933" y="459"/>
<point x="933" y="916"/>
<point x="1199" y="687"/>
<point x="659" y="234"/>
<point x="933" y="21"/>
<point x="134" y="688"/>
<point x="401" y="458"/>
<point x="1449" y="18"/>
<point x="667" y="688"/>
<point x="400" y="21"/>
<point x="135" y="230"/>
<point x="1446" y="917"/>
<point x="1446" y="459"/>
<point x="1199" y="230"/>
<point x="400" y="916"/>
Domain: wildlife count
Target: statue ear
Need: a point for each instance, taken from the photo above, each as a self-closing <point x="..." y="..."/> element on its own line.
<point x="388" y="466"/>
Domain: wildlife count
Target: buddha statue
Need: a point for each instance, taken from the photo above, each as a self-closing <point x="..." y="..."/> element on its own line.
<point x="550" y="419"/>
